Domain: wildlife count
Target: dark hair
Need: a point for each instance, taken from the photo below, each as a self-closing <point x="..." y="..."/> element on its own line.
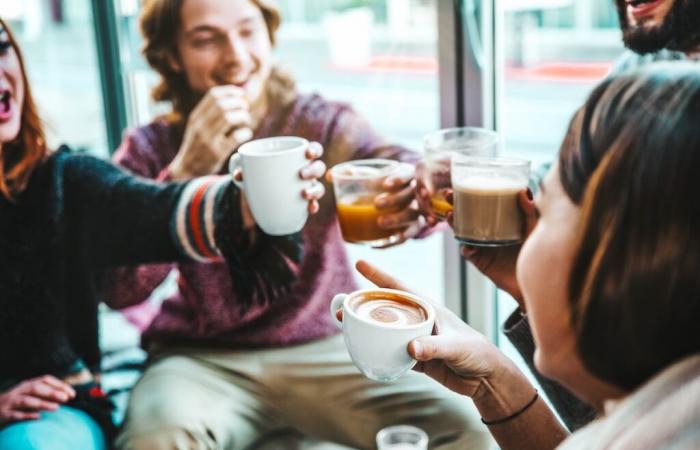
<point x="631" y="160"/>
<point x="19" y="158"/>
<point x="160" y="25"/>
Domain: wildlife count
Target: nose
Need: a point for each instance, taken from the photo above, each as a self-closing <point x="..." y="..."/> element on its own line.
<point x="236" y="53"/>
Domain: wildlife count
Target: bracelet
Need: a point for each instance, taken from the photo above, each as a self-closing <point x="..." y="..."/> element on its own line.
<point x="515" y="414"/>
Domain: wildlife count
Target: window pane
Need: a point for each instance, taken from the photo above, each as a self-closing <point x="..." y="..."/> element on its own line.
<point x="555" y="52"/>
<point x="58" y="45"/>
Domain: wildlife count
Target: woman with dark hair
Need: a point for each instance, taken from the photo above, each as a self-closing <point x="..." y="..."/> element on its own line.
<point x="609" y="276"/>
<point x="230" y="365"/>
<point x="64" y="219"/>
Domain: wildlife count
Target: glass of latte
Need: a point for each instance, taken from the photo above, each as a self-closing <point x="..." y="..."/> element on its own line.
<point x="486" y="209"/>
<point x="356" y="184"/>
<point x="434" y="171"/>
<point x="378" y="325"/>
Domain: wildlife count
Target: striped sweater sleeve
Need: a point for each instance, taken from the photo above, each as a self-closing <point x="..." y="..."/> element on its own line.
<point x="193" y="225"/>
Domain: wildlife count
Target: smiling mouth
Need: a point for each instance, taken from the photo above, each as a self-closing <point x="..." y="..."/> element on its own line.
<point x="640" y="3"/>
<point x="5" y="98"/>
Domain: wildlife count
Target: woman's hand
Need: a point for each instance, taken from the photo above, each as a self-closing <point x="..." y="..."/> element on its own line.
<point x="219" y="123"/>
<point x="398" y="206"/>
<point x="311" y="172"/>
<point x="464" y="361"/>
<point x="456" y="355"/>
<point x="498" y="263"/>
<point x="26" y="400"/>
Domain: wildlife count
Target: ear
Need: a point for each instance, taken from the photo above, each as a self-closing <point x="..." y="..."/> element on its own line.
<point x="173" y="60"/>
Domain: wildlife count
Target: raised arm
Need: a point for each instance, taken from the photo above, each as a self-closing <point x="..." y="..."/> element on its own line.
<point x="121" y="219"/>
<point x="352" y="137"/>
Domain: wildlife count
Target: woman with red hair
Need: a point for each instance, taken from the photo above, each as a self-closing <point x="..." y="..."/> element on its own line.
<point x="64" y="219"/>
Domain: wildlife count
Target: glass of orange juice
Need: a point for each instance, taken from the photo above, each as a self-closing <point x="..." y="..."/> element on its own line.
<point x="434" y="170"/>
<point x="356" y="184"/>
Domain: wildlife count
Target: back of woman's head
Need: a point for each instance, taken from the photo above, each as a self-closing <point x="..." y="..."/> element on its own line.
<point x="631" y="160"/>
<point x="19" y="158"/>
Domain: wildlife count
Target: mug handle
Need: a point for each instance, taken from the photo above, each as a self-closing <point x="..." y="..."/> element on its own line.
<point x="234" y="164"/>
<point x="336" y="304"/>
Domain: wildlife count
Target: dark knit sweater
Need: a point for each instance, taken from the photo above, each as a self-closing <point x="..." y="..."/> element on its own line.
<point x="78" y="216"/>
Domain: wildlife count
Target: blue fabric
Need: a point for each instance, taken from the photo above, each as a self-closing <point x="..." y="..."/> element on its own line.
<point x="64" y="429"/>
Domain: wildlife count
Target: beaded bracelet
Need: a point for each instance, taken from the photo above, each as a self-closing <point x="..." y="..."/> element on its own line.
<point x="515" y="414"/>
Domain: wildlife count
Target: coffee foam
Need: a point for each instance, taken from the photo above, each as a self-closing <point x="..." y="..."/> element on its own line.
<point x="390" y="312"/>
<point x="490" y="183"/>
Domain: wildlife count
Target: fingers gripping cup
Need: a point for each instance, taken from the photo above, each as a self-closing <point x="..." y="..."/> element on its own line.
<point x="272" y="184"/>
<point x="356" y="184"/>
<point x="486" y="209"/>
<point x="439" y="147"/>
<point x="378" y="325"/>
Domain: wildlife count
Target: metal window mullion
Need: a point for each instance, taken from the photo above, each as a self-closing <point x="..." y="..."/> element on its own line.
<point x="450" y="54"/>
<point x="108" y="57"/>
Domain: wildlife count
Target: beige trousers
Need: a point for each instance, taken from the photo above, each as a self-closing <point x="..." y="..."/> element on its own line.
<point x="195" y="399"/>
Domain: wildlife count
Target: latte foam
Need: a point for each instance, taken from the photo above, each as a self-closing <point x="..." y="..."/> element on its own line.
<point x="390" y="311"/>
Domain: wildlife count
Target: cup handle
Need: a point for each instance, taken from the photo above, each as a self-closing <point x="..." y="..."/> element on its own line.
<point x="234" y="164"/>
<point x="336" y="304"/>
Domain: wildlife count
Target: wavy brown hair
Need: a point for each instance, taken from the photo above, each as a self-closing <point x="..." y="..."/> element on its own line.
<point x="631" y="160"/>
<point x="160" y="25"/>
<point x="19" y="158"/>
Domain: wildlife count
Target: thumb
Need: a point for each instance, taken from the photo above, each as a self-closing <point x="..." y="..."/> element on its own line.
<point x="436" y="347"/>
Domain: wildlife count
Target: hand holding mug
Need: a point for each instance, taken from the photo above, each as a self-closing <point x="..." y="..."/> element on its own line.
<point x="311" y="172"/>
<point x="398" y="206"/>
<point x="455" y="355"/>
<point x="375" y="201"/>
<point x="279" y="185"/>
<point x="498" y="263"/>
<point x="219" y="123"/>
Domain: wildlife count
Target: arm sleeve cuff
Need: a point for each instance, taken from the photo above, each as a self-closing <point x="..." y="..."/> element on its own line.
<point x="194" y="226"/>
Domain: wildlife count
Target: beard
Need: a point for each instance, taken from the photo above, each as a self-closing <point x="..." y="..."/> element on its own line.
<point x="679" y="31"/>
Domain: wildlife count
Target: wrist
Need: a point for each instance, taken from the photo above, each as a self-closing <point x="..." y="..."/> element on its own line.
<point x="503" y="392"/>
<point x="176" y="170"/>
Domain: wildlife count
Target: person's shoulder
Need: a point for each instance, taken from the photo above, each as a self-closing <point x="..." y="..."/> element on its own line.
<point x="315" y="106"/>
<point x="630" y="60"/>
<point x="77" y="163"/>
<point x="151" y="135"/>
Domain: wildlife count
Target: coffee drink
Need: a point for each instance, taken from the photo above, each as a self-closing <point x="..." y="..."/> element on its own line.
<point x="392" y="310"/>
<point x="378" y="324"/>
<point x="439" y="205"/>
<point x="486" y="210"/>
<point x="356" y="185"/>
<point x="358" y="219"/>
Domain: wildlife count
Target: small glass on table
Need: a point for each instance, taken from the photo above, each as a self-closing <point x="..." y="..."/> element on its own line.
<point x="356" y="185"/>
<point x="402" y="437"/>
<point x="434" y="171"/>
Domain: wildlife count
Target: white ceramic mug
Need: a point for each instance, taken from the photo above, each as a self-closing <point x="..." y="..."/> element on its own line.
<point x="379" y="350"/>
<point x="272" y="183"/>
